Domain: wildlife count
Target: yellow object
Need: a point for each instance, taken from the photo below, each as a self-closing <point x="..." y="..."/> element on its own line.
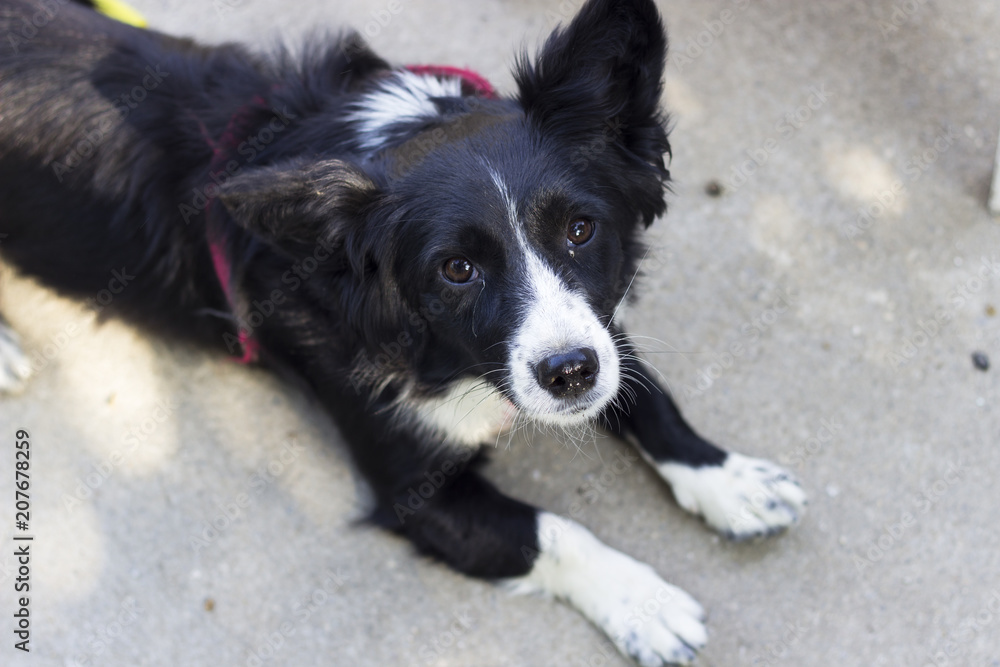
<point x="119" y="11"/>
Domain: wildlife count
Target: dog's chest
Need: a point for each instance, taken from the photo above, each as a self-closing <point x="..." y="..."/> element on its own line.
<point x="472" y="412"/>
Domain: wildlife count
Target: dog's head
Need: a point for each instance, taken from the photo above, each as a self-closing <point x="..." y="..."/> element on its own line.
<point x="491" y="238"/>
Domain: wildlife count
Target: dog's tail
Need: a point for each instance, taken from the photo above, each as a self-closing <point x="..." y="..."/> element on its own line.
<point x="117" y="10"/>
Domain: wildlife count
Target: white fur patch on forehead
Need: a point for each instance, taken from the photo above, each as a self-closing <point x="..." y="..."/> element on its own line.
<point x="403" y="96"/>
<point x="509" y="203"/>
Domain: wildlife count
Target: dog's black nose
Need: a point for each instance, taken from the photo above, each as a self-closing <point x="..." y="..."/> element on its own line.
<point x="569" y="374"/>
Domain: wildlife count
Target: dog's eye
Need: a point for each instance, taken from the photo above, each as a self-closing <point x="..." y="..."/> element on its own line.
<point x="580" y="231"/>
<point x="459" y="270"/>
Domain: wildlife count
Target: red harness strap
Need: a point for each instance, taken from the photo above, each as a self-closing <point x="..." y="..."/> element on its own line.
<point x="249" y="345"/>
<point x="472" y="84"/>
<point x="228" y="141"/>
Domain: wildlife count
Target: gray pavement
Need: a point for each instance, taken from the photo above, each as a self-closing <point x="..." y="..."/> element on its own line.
<point x="850" y="255"/>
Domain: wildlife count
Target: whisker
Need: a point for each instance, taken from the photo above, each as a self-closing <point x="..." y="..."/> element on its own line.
<point x="629" y="287"/>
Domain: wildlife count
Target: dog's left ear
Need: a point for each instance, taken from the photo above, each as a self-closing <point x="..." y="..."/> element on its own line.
<point x="601" y="77"/>
<point x="297" y="204"/>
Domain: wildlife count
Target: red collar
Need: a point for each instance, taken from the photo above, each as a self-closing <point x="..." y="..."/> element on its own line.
<point x="239" y="124"/>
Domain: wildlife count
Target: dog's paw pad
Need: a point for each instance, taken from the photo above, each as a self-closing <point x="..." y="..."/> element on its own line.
<point x="743" y="498"/>
<point x="15" y="369"/>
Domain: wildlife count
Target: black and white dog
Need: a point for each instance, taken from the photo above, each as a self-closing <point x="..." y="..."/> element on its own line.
<point x="435" y="260"/>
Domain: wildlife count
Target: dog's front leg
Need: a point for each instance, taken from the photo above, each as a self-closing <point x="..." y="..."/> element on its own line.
<point x="739" y="496"/>
<point x="457" y="516"/>
<point x="430" y="493"/>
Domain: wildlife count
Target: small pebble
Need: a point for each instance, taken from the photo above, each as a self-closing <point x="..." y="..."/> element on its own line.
<point x="981" y="361"/>
<point x="990" y="311"/>
<point x="209" y="604"/>
<point x="713" y="189"/>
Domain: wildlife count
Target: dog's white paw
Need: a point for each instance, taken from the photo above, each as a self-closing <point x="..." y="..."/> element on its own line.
<point x="651" y="621"/>
<point x="648" y="619"/>
<point x="15" y="369"/>
<point x="742" y="498"/>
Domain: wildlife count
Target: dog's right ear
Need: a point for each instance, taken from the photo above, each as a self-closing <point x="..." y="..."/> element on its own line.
<point x="599" y="79"/>
<point x="297" y="204"/>
<point x="607" y="64"/>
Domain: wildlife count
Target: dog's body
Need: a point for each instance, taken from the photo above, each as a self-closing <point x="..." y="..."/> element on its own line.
<point x="437" y="262"/>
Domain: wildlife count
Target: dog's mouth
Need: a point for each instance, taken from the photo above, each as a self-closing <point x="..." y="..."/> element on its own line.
<point x="575" y="413"/>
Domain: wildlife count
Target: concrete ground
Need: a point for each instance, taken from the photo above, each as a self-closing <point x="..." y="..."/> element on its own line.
<point x="850" y="256"/>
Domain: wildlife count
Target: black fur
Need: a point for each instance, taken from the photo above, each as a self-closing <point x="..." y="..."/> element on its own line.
<point x="336" y="248"/>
